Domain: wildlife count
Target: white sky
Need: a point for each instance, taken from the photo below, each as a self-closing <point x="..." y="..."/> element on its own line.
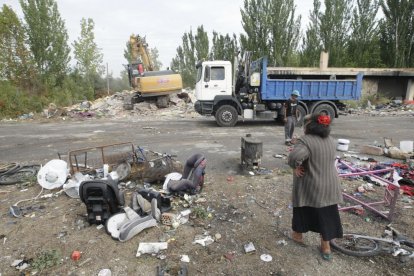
<point x="163" y="22"/>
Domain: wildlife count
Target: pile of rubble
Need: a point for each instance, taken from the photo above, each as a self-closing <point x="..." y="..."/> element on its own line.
<point x="180" y="105"/>
<point x="394" y="108"/>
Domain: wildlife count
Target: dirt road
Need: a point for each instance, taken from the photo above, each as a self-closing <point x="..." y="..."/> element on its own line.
<point x="242" y="209"/>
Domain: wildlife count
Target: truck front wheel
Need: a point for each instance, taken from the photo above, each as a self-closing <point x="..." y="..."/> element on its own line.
<point x="226" y="116"/>
<point x="327" y="109"/>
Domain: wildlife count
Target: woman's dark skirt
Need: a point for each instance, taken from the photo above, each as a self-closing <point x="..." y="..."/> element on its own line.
<point x="325" y="221"/>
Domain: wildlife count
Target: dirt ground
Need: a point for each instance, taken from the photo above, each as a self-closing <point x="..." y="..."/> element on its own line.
<point x="235" y="208"/>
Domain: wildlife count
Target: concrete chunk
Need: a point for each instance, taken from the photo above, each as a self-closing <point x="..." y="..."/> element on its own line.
<point x="372" y="150"/>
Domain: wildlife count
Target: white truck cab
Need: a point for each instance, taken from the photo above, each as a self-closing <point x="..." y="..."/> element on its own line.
<point x="214" y="78"/>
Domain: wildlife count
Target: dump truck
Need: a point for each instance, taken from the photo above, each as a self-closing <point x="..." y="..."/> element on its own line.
<point x="146" y="82"/>
<point x="253" y="91"/>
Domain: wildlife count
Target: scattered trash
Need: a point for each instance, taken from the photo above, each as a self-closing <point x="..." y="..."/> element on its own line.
<point x="185" y="259"/>
<point x="20" y="264"/>
<point x="105" y="272"/>
<point x="76" y="255"/>
<point x="53" y="174"/>
<point x="281" y="242"/>
<point x="266" y="258"/>
<point x="249" y="248"/>
<point x="343" y="145"/>
<point x="230" y="255"/>
<point x="203" y="240"/>
<point x="151" y="247"/>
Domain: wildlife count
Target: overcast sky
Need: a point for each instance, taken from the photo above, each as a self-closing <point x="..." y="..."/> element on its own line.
<point x="163" y="22"/>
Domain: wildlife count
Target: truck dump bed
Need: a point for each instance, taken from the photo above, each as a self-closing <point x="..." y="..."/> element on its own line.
<point x="310" y="90"/>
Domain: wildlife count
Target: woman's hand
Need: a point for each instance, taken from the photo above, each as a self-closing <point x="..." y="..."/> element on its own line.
<point x="299" y="171"/>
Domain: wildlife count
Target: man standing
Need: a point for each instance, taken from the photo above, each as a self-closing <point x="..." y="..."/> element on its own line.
<point x="290" y="113"/>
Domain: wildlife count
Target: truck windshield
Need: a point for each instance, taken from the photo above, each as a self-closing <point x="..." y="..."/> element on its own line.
<point x="199" y="73"/>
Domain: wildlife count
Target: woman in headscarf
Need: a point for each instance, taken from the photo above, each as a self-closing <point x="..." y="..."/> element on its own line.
<point x="316" y="186"/>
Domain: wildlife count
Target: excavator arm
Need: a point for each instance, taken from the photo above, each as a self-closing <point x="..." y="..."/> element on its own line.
<point x="139" y="48"/>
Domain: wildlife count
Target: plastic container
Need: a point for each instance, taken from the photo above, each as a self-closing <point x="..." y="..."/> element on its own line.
<point x="406" y="146"/>
<point x="343" y="145"/>
<point x="248" y="113"/>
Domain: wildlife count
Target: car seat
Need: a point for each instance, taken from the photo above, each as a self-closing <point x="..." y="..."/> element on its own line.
<point x="102" y="199"/>
<point x="192" y="179"/>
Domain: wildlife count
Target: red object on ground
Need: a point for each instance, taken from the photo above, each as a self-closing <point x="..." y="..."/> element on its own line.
<point x="75" y="255"/>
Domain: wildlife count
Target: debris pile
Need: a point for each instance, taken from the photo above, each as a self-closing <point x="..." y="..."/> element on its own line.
<point x="180" y="105"/>
<point x="99" y="183"/>
<point x="394" y="108"/>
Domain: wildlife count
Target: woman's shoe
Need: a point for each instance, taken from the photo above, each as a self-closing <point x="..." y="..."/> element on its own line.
<point x="289" y="234"/>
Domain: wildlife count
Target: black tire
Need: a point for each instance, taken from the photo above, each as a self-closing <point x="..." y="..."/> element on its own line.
<point x="353" y="245"/>
<point x="226" y="116"/>
<point x="302" y="113"/>
<point x="18" y="176"/>
<point x="6" y="168"/>
<point x="327" y="109"/>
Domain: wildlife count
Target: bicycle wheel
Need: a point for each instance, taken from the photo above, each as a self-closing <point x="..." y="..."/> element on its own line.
<point x="354" y="245"/>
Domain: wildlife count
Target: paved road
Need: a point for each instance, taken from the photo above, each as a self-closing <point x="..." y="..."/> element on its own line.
<point x="36" y="142"/>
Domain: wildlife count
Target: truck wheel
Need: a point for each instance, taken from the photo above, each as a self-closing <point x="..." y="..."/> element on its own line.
<point x="327" y="109"/>
<point x="226" y="116"/>
<point x="302" y="114"/>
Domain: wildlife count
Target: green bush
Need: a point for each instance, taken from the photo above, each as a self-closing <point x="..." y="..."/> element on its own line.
<point x="15" y="101"/>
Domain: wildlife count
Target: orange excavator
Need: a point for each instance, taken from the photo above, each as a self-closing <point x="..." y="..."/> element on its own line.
<point x="146" y="82"/>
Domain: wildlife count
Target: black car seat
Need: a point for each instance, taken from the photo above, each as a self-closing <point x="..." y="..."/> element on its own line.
<point x="102" y="199"/>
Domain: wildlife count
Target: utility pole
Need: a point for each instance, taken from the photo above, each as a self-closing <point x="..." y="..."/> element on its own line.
<point x="107" y="78"/>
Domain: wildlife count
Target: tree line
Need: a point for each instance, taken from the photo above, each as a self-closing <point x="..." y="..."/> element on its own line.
<point x="355" y="33"/>
<point x="35" y="60"/>
<point x="35" y="53"/>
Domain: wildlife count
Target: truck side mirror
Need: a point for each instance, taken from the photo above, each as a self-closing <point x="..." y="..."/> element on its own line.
<point x="207" y="74"/>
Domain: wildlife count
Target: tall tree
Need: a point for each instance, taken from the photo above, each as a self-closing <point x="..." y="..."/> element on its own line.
<point x="193" y="48"/>
<point x="272" y="29"/>
<point x="397" y="33"/>
<point x="312" y="44"/>
<point x="154" y="56"/>
<point x="15" y="59"/>
<point x="335" y="24"/>
<point x="88" y="55"/>
<point x="285" y="31"/>
<point x="256" y="28"/>
<point x="363" y="47"/>
<point x="224" y="47"/>
<point x="48" y="39"/>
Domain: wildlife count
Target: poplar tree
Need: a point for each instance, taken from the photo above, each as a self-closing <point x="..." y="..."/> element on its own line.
<point x="16" y="64"/>
<point x="224" y="47"/>
<point x="88" y="55"/>
<point x="193" y="48"/>
<point x="312" y="44"/>
<point x="364" y="47"/>
<point x="284" y="28"/>
<point x="256" y="28"/>
<point x="335" y="24"/>
<point x="48" y="39"/>
<point x="397" y="33"/>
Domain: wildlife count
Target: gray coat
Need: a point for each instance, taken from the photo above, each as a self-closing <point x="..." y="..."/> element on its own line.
<point x="320" y="186"/>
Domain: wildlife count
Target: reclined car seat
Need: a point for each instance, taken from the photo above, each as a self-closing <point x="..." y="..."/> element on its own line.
<point x="192" y="180"/>
<point x="102" y="199"/>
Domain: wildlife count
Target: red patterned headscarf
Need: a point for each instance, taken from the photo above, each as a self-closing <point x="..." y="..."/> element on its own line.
<point x="324" y="120"/>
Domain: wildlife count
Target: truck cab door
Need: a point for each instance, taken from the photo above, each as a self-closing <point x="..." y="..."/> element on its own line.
<point x="216" y="83"/>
